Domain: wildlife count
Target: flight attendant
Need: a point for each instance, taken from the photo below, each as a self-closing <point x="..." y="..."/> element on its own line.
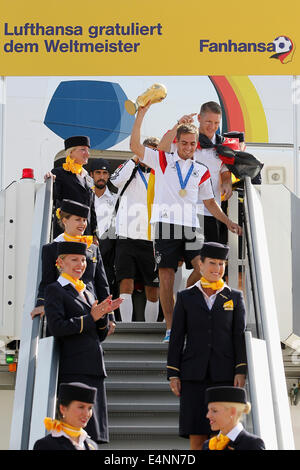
<point x="72" y="217"/>
<point x="226" y="406"/>
<point x="80" y="324"/>
<point x="73" y="182"/>
<point x="74" y="409"/>
<point x="207" y="344"/>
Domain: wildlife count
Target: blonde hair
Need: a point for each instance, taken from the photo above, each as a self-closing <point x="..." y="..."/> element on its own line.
<point x="241" y="408"/>
<point x="69" y="151"/>
<point x="186" y="129"/>
<point x="210" y="106"/>
<point x="63" y="215"/>
<point x="151" y="142"/>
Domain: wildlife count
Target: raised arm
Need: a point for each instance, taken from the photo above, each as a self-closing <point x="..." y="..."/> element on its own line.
<point x="123" y="173"/>
<point x="135" y="140"/>
<point x="167" y="139"/>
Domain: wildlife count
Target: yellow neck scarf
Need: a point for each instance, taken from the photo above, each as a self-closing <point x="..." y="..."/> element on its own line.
<point x="71" y="166"/>
<point x="78" y="284"/>
<point x="218" y="442"/>
<point x="88" y="239"/>
<point x="56" y="425"/>
<point x="211" y="285"/>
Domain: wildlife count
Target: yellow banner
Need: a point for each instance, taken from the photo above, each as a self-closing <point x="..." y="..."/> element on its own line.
<point x="135" y="37"/>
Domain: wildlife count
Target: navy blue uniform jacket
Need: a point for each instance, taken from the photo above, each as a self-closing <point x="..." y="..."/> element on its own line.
<point x="215" y="341"/>
<point x="68" y="186"/>
<point x="61" y="443"/>
<point x="244" y="441"/>
<point x="69" y="319"/>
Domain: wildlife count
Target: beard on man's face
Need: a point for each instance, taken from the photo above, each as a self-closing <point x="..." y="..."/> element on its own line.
<point x="100" y="184"/>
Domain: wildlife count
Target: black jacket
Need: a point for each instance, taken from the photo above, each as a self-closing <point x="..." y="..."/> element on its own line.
<point x="68" y="186"/>
<point x="215" y="339"/>
<point x="69" y="320"/>
<point x="61" y="443"/>
<point x="244" y="441"/>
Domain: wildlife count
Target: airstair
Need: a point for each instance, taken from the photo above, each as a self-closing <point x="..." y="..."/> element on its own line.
<point x="143" y="413"/>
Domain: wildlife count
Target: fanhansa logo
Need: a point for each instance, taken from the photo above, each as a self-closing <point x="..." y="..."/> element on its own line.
<point x="281" y="47"/>
<point x="284" y="49"/>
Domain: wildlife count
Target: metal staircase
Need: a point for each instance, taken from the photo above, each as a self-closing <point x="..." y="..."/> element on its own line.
<point x="142" y="411"/>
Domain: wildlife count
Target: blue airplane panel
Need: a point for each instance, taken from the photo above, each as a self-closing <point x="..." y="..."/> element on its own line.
<point x="90" y="107"/>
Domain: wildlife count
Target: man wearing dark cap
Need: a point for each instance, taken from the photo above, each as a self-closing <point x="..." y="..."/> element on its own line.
<point x="207" y="343"/>
<point x="73" y="182"/>
<point x="105" y="199"/>
<point x="104" y="202"/>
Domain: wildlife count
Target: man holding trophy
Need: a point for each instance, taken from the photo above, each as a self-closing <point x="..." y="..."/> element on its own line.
<point x="180" y="181"/>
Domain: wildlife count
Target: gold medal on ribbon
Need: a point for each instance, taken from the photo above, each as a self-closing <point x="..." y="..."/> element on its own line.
<point x="183" y="191"/>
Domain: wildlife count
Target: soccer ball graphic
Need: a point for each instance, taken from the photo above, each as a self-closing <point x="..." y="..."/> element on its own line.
<point x="282" y="44"/>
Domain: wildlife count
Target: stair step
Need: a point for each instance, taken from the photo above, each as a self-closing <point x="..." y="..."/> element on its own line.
<point x="145" y="351"/>
<point x="143" y="407"/>
<point x="137" y="346"/>
<point x="125" y="336"/>
<point x="143" y="419"/>
<point x="145" y="442"/>
<point x="132" y="355"/>
<point x="142" y="410"/>
<point x="138" y="386"/>
<point x="137" y="376"/>
<point x="145" y="430"/>
<point x="135" y="365"/>
<point x="141" y="397"/>
<point x="140" y="327"/>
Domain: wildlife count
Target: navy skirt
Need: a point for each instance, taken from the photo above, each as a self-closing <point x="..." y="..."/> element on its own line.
<point x="193" y="409"/>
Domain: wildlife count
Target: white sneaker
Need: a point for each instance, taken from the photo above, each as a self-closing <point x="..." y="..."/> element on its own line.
<point x="167" y="337"/>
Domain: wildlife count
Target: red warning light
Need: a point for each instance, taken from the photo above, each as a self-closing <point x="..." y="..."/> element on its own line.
<point x="27" y="173"/>
<point x="12" y="367"/>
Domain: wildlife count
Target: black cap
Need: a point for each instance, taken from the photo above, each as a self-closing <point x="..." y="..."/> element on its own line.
<point x="71" y="248"/>
<point x="76" y="141"/>
<point x="226" y="394"/>
<point x="77" y="391"/>
<point x="99" y="164"/>
<point x="214" y="250"/>
<point x="75" y="208"/>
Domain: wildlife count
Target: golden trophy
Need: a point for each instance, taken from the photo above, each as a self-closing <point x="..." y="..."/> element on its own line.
<point x="155" y="94"/>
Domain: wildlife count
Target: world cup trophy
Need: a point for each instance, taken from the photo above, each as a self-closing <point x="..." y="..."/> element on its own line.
<point x="154" y="94"/>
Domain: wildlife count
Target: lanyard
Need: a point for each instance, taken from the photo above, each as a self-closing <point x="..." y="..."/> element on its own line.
<point x="143" y="178"/>
<point x="184" y="183"/>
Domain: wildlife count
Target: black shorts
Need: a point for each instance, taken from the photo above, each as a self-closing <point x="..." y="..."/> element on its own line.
<point x="211" y="229"/>
<point x="211" y="232"/>
<point x="135" y="260"/>
<point x="174" y="243"/>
